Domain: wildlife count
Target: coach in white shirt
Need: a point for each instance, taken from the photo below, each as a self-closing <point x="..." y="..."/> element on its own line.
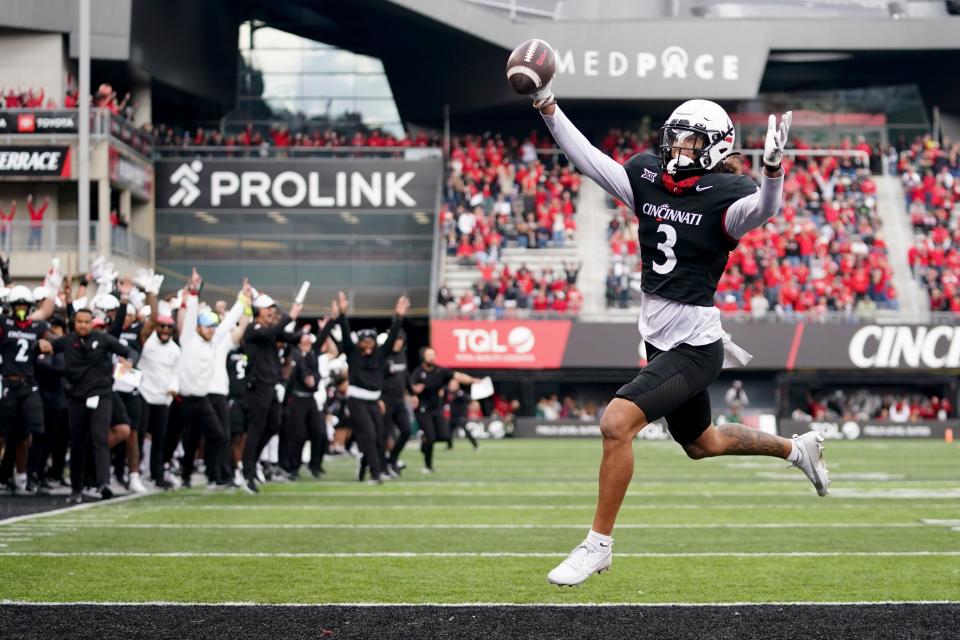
<point x="159" y="363"/>
<point x="201" y="333"/>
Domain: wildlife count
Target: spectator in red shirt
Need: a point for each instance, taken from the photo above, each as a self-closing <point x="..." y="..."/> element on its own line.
<point x="6" y="223"/>
<point x="36" y="222"/>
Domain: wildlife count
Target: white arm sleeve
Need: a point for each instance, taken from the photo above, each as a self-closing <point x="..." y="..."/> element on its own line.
<point x="595" y="164"/>
<point x="754" y="210"/>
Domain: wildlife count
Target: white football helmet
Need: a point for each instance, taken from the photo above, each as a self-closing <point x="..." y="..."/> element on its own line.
<point x="20" y="295"/>
<point x="697" y="128"/>
<point x="106" y="302"/>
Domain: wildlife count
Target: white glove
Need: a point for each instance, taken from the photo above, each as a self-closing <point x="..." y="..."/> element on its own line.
<point x="54" y="278"/>
<point x="143" y="278"/>
<point x="543" y="97"/>
<point x="155" y="283"/>
<point x="96" y="268"/>
<point x="776" y="140"/>
<point x="137" y="298"/>
<point x="110" y="273"/>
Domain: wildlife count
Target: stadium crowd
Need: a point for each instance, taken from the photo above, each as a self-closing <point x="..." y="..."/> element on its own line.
<point x="112" y="377"/>
<point x="870" y="404"/>
<point x="282" y="137"/>
<point x="930" y="174"/>
<point x="35" y="98"/>
<point x="502" y="193"/>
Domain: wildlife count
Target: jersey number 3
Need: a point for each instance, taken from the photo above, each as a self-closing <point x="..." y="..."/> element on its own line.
<point x="666" y="248"/>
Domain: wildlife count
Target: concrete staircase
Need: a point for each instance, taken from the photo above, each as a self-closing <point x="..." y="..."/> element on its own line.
<point x="593" y="217"/>
<point x="898" y="234"/>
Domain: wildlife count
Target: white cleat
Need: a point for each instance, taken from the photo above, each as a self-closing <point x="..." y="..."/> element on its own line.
<point x="584" y="561"/>
<point x="136" y="485"/>
<point x="811" y="462"/>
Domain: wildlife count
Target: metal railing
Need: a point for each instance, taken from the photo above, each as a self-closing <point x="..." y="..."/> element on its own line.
<point x="55" y="236"/>
<point x="50" y="236"/>
<point x="62" y="124"/>
<point x="127" y="243"/>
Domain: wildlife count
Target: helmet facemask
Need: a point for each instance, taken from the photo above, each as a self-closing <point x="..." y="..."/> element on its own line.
<point x="686" y="149"/>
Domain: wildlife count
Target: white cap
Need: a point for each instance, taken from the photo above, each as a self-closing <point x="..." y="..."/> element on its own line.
<point x="41" y="293"/>
<point x="264" y="301"/>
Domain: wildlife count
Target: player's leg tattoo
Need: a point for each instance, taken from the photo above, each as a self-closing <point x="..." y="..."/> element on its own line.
<point x="738" y="440"/>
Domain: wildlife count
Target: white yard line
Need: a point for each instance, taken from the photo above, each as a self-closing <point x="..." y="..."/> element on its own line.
<point x="563" y="605"/>
<point x="714" y="525"/>
<point x="471" y="554"/>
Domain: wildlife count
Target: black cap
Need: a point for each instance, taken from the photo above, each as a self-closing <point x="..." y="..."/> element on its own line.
<point x="365" y="334"/>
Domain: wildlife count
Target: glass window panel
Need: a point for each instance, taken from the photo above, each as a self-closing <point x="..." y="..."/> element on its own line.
<point x="282" y="85"/>
<point x="328" y="86"/>
<point x="372" y="86"/>
<point x="327" y="60"/>
<point x="377" y="111"/>
<point x="270" y="38"/>
<point x="366" y="64"/>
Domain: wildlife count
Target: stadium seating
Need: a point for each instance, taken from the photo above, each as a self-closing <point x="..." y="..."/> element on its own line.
<point x="503" y="202"/>
<point x="931" y="181"/>
<point x="868" y="404"/>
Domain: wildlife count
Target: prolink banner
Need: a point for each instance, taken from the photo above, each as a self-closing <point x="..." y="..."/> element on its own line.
<point x="302" y="183"/>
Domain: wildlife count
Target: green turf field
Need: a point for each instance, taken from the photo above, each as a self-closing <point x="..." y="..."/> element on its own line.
<point x="490" y="524"/>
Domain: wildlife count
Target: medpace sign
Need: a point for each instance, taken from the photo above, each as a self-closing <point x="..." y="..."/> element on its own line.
<point x="682" y="60"/>
<point x="308" y="183"/>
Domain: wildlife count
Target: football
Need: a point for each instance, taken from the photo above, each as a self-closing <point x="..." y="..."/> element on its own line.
<point x="531" y="66"/>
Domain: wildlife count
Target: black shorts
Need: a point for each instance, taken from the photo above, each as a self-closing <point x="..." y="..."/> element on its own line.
<point x="674" y="385"/>
<point x="21" y="411"/>
<point x="238" y="416"/>
<point x="119" y="414"/>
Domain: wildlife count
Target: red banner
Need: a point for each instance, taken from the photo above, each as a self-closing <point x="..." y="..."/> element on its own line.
<point x="533" y="344"/>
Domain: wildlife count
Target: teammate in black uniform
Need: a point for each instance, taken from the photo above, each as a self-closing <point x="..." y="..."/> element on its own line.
<point x="693" y="208"/>
<point x="303" y="415"/>
<point x="21" y="410"/>
<point x="430" y="382"/>
<point x="367" y="365"/>
<point x="396" y="384"/>
<point x="127" y="403"/>
<point x="56" y="423"/>
<point x="263" y="374"/>
<point x="459" y="402"/>
<point x="237" y="400"/>
<point x="89" y="380"/>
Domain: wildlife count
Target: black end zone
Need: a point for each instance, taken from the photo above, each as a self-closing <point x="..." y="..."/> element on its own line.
<point x="807" y="622"/>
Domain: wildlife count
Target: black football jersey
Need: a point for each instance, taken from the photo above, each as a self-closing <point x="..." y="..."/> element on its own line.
<point x="131" y="336"/>
<point x="19" y="346"/>
<point x="683" y="242"/>
<point x="237" y="373"/>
